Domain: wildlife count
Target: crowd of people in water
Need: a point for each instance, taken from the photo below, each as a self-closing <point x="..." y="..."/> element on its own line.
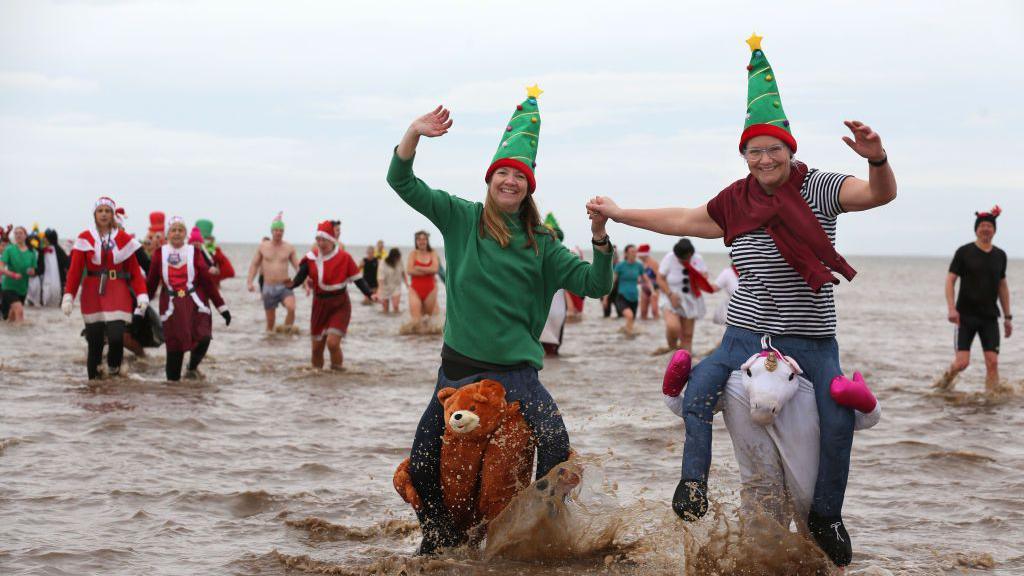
<point x="512" y="284"/>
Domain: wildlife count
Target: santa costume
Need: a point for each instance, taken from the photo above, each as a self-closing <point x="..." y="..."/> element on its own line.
<point x="186" y="289"/>
<point x="104" y="266"/>
<point x="330" y="273"/>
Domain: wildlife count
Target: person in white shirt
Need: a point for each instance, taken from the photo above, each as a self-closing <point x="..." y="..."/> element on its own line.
<point x="683" y="276"/>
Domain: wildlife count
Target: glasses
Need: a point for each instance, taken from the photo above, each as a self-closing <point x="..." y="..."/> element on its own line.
<point x="776" y="152"/>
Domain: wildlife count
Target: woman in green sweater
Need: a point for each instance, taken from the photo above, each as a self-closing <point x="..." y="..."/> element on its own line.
<point x="18" y="264"/>
<point x="504" y="267"/>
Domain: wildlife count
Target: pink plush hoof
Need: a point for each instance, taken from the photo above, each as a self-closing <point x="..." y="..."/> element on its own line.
<point x="677" y="373"/>
<point x="853" y="393"/>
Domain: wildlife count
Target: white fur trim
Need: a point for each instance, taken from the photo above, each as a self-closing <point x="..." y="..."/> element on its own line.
<point x="864" y="421"/>
<point x="142" y="300"/>
<point x="96" y="247"/>
<point x="222" y="309"/>
<point x="189" y="253"/>
<point x="320" y="272"/>
<point x="674" y="403"/>
<point x="325" y="235"/>
<point x="111" y="316"/>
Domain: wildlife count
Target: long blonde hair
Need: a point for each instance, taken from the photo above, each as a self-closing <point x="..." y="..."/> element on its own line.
<point x="492" y="222"/>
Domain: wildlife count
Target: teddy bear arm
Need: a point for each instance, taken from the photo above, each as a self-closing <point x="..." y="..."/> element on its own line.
<point x="507" y="466"/>
<point x="404" y="487"/>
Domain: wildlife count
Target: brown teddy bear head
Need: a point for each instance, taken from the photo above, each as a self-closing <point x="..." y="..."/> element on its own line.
<point x="475" y="410"/>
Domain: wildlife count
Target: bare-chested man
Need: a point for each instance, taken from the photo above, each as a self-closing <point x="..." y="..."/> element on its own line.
<point x="272" y="259"/>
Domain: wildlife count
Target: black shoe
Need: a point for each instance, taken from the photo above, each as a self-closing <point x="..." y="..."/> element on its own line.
<point x="830" y="534"/>
<point x="690" y="501"/>
<point x="437" y="536"/>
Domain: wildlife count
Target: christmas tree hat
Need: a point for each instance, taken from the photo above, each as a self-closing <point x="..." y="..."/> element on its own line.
<point x="765" y="116"/>
<point x="518" y="147"/>
<point x="552" y="223"/>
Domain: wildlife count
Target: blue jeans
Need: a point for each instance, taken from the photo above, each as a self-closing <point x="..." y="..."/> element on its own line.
<point x="819" y="359"/>
<point x="538" y="409"/>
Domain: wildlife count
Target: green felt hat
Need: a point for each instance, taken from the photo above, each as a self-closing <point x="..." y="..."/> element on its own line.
<point x="551" y="222"/>
<point x="518" y="147"/>
<point x="205" y="226"/>
<point x="765" y="116"/>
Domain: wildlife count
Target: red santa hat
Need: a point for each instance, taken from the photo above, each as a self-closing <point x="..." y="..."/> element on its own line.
<point x="643" y="249"/>
<point x="326" y="230"/>
<point x="156" y="222"/>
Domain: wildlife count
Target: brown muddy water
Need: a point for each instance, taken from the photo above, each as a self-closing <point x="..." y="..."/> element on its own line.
<point x="268" y="467"/>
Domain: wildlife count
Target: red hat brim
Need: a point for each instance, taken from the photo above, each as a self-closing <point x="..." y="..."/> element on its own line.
<point x="531" y="181"/>
<point x="767" y="130"/>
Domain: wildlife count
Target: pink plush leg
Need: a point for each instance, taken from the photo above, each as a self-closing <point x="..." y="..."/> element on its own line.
<point x="677" y="373"/>
<point x="853" y="393"/>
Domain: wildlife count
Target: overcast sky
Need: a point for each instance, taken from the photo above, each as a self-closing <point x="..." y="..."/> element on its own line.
<point x="235" y="110"/>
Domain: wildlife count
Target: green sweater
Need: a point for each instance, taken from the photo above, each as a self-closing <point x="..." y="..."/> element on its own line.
<point x="19" y="261"/>
<point x="498" y="298"/>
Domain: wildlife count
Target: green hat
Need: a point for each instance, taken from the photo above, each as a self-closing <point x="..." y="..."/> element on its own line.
<point x="518" y="148"/>
<point x="206" y="227"/>
<point x="765" y="116"/>
<point x="552" y="223"/>
<point x="277" y="223"/>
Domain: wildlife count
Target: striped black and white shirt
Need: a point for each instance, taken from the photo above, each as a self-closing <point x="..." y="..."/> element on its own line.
<point x="772" y="297"/>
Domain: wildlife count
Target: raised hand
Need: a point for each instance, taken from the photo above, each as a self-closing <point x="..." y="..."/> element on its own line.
<point x="433" y="124"/>
<point x="865" y="142"/>
<point x="603" y="207"/>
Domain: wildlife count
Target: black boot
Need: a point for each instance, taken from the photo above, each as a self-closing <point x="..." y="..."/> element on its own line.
<point x="830" y="534"/>
<point x="437" y="535"/>
<point x="690" y="501"/>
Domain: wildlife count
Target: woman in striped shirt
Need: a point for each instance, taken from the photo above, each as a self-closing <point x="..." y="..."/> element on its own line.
<point x="780" y="222"/>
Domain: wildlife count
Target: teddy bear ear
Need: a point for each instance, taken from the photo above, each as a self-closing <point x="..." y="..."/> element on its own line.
<point x="445" y="393"/>
<point x="493" y="390"/>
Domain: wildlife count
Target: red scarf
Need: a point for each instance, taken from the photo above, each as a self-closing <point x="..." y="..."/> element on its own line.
<point x="744" y="207"/>
<point x="697" y="280"/>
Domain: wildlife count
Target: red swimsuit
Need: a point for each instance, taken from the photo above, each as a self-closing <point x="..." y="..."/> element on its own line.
<point x="423" y="285"/>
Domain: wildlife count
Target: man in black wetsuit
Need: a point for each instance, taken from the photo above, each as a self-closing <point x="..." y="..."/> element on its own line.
<point x="981" y="268"/>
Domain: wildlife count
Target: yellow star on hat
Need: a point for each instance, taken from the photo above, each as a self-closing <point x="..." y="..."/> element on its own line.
<point x="754" y="41"/>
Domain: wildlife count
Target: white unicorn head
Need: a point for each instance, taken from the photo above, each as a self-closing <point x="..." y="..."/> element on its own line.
<point x="770" y="379"/>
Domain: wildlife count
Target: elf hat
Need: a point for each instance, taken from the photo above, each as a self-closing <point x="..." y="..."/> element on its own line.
<point x="518" y="147"/>
<point x="989" y="216"/>
<point x="765" y="116"/>
<point x="326" y="230"/>
<point x="156" y="222"/>
<point x="277" y="223"/>
<point x="552" y="223"/>
<point x="205" y="227"/>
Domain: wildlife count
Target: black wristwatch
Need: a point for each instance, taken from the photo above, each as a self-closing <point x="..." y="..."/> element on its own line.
<point x="602" y="242"/>
<point x="877" y="163"/>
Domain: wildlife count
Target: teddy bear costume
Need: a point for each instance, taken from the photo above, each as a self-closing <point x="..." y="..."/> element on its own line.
<point x="486" y="458"/>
